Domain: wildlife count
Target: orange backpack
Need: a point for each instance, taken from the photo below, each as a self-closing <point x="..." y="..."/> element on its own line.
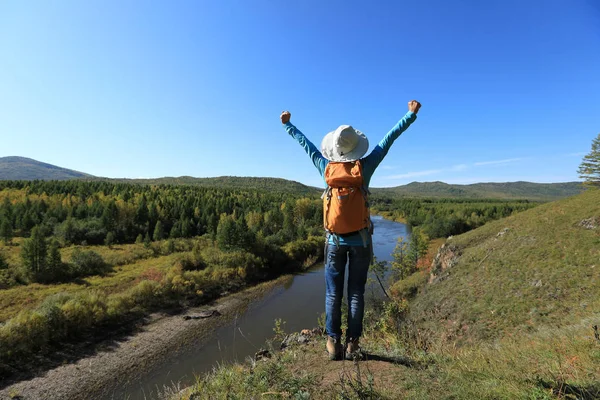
<point x="345" y="202"/>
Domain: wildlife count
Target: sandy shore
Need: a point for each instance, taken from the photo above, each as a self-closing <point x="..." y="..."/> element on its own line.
<point x="119" y="363"/>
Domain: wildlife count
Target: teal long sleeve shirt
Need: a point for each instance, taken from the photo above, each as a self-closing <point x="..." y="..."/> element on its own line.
<point x="369" y="163"/>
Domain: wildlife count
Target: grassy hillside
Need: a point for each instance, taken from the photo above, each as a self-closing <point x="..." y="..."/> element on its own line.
<point x="504" y="190"/>
<point x="507" y="311"/>
<point x="536" y="268"/>
<point x="21" y="168"/>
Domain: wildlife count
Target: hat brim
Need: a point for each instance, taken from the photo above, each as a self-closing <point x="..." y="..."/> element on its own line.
<point x="329" y="152"/>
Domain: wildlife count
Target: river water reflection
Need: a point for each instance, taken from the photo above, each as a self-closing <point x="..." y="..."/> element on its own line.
<point x="299" y="302"/>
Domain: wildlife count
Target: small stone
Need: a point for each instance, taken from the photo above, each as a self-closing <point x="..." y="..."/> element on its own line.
<point x="502" y="232"/>
<point x="262" y="354"/>
<point x="303" y="339"/>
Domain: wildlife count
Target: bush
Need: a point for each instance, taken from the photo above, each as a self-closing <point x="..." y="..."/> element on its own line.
<point x="147" y="294"/>
<point x="193" y="261"/>
<point x="300" y="250"/>
<point x="87" y="262"/>
<point x="85" y="311"/>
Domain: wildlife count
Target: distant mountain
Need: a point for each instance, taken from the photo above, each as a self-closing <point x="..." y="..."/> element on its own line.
<point x="503" y="190"/>
<point x="21" y="168"/>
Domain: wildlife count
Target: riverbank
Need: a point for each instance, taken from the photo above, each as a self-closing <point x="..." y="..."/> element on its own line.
<point x="297" y="300"/>
<point x="119" y="363"/>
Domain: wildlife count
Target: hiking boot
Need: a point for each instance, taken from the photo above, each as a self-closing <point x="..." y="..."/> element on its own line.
<point x="334" y="348"/>
<point x="353" y="350"/>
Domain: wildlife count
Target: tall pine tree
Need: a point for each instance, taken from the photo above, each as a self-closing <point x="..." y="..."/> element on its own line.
<point x="6" y="232"/>
<point x="589" y="169"/>
<point x="33" y="254"/>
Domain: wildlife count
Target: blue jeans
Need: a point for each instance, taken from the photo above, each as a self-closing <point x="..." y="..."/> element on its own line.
<point x="358" y="259"/>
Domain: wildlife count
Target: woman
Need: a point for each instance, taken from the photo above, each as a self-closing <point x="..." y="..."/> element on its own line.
<point x="346" y="219"/>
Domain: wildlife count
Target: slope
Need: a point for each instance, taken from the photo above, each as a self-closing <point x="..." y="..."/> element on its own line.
<point x="22" y="168"/>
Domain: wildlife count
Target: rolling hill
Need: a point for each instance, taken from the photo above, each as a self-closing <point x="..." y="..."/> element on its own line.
<point x="498" y="190"/>
<point x="22" y="168"/>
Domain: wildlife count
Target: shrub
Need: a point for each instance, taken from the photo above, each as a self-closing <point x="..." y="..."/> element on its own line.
<point x="87" y="262"/>
<point x="300" y="250"/>
<point x="84" y="311"/>
<point x="146" y="294"/>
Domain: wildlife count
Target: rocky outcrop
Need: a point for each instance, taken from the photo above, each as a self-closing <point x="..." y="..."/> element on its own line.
<point x="446" y="258"/>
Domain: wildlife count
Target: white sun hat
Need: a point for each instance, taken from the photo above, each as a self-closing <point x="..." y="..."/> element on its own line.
<point x="344" y="144"/>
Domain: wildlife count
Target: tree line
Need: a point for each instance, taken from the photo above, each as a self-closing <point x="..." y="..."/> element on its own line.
<point x="105" y="213"/>
<point x="96" y="213"/>
<point x="445" y="217"/>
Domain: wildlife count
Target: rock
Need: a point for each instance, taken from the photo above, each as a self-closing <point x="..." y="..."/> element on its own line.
<point x="590" y="223"/>
<point x="286" y="341"/>
<point x="536" y="283"/>
<point x="262" y="354"/>
<point x="502" y="232"/>
<point x="202" y="314"/>
<point x="303" y="339"/>
<point x="446" y="257"/>
<point x="306" y="332"/>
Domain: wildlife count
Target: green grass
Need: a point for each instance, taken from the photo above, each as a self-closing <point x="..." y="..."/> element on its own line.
<point x="38" y="319"/>
<point x="543" y="271"/>
<point x="131" y="264"/>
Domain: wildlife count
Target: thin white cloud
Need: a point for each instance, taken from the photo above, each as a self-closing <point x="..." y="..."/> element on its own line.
<point x="581" y="153"/>
<point x="506" y="161"/>
<point x="414" y="174"/>
<point x="387" y="167"/>
<point x="459" y="167"/>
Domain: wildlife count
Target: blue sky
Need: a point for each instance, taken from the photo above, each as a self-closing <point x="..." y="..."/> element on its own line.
<point x="510" y="89"/>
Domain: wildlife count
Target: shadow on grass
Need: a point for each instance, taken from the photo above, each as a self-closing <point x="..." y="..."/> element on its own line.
<point x="405" y="361"/>
<point x="563" y="389"/>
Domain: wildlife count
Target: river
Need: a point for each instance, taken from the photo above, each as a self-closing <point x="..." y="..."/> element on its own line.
<point x="299" y="302"/>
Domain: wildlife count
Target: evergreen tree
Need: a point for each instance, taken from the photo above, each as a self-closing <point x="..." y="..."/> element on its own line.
<point x="110" y="239"/>
<point x="110" y="215"/>
<point x="3" y="263"/>
<point x="6" y="231"/>
<point x="159" y="231"/>
<point x="54" y="265"/>
<point x="227" y="236"/>
<point x="184" y="226"/>
<point x="33" y="254"/>
<point x="69" y="231"/>
<point x="141" y="214"/>
<point x="589" y="169"/>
